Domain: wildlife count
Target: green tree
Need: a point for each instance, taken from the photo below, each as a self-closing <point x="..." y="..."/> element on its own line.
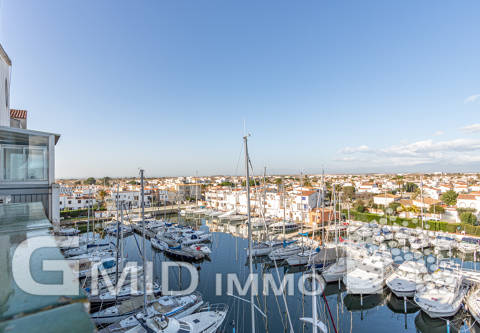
<point x="468" y="218"/>
<point x="105" y="180"/>
<point x="359" y="206"/>
<point x="394" y="206"/>
<point x="278" y="181"/>
<point x="436" y="209"/>
<point x="450" y="197"/>
<point x="132" y="182"/>
<point x="252" y="182"/>
<point x="410" y="187"/>
<point x="349" y="192"/>
<point x="90" y="181"/>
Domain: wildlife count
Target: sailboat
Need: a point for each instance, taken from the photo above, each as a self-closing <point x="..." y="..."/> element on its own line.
<point x="207" y="320"/>
<point x="122" y="315"/>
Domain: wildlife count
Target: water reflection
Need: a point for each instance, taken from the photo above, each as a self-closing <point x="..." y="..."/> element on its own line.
<point x="374" y="313"/>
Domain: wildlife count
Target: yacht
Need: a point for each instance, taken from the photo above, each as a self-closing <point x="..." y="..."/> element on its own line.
<point x="468" y="245"/>
<point x="441" y="294"/>
<point x="368" y="277"/>
<point x="67" y="232"/>
<point x="278" y="226"/>
<point x="444" y="243"/>
<point x="420" y="243"/>
<point x="472" y="302"/>
<point x="403" y="282"/>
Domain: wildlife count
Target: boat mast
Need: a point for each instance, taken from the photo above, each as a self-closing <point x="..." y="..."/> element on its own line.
<point x="247" y="182"/>
<point x="284" y="208"/>
<point x="143" y="245"/>
<point x="88" y="218"/>
<point x="421" y="197"/>
<point x="323" y="206"/>
<point x="118" y="250"/>
<point x="301" y="205"/>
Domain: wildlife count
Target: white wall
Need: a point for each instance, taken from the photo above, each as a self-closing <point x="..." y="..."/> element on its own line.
<point x="4" y="75"/>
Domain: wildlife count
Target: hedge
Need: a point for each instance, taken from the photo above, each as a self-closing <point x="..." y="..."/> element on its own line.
<point x="414" y="223"/>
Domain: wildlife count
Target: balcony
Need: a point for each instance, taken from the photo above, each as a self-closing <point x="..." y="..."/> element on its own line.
<point x="27" y="163"/>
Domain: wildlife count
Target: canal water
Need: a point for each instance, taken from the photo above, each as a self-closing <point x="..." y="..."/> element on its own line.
<point x="379" y="313"/>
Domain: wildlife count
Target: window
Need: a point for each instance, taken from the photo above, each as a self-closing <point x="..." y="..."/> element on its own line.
<point x="7" y="99"/>
<point x="79" y="201"/>
<point x="23" y="163"/>
<point x="69" y="202"/>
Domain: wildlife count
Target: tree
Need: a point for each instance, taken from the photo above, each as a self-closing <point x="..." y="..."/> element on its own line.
<point x="101" y="195"/>
<point x="394" y="206"/>
<point x="349" y="192"/>
<point x="359" y="206"/>
<point x="132" y="182"/>
<point x="105" y="180"/>
<point x="416" y="193"/>
<point x="410" y="187"/>
<point x="436" y="209"/>
<point x="468" y="218"/>
<point x="90" y="181"/>
<point x="278" y="181"/>
<point x="450" y="197"/>
<point x="253" y="182"/>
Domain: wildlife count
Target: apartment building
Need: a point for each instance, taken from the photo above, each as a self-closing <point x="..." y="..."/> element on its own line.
<point x="27" y="166"/>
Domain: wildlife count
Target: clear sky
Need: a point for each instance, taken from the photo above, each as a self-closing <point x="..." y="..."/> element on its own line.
<point x="352" y="86"/>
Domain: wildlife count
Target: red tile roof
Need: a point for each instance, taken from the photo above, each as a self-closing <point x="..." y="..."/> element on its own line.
<point x="466" y="197"/>
<point x="18" y="114"/>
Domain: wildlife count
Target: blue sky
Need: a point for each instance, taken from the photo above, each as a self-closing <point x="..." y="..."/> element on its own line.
<point x="352" y="86"/>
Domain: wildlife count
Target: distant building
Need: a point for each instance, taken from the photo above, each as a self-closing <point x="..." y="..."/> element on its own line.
<point x="323" y="216"/>
<point x="385" y="199"/>
<point x="189" y="191"/>
<point x="471" y="200"/>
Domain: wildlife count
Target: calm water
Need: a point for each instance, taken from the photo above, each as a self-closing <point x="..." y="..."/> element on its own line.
<point x="380" y="313"/>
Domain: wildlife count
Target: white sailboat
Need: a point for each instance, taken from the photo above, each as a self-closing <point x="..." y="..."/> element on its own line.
<point x="208" y="320"/>
<point x="122" y="316"/>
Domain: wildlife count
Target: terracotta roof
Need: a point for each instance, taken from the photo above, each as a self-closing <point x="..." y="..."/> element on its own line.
<point x="388" y="195"/>
<point x="307" y="193"/>
<point x="466" y="197"/>
<point x="18" y="114"/>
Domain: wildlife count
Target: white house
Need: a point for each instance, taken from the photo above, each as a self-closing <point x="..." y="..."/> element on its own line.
<point x="70" y="202"/>
<point x="385" y="199"/>
<point x="471" y="200"/>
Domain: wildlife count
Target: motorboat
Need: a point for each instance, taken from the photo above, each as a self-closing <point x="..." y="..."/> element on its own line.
<point x="441" y="294"/>
<point x="369" y="275"/>
<point x="468" y="245"/>
<point x="67" y="232"/>
<point x="404" y="280"/>
<point x="444" y="243"/>
<point x="279" y="226"/>
<point x="472" y="302"/>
